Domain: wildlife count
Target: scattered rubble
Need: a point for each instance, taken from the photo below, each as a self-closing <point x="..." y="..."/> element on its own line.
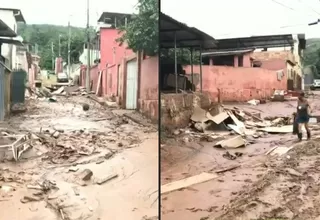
<point x="52" y="141"/>
<point x="86" y="175"/>
<point x="247" y="125"/>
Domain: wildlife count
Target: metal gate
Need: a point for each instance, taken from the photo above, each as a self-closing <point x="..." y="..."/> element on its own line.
<point x="18" y="86"/>
<point x="132" y="84"/>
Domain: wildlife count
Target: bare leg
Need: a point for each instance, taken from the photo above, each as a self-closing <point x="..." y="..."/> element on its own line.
<point x="300" y="131"/>
<point x="306" y="125"/>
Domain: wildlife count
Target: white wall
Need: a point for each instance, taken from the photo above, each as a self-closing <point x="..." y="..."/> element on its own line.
<point x="8" y="18"/>
<point x="94" y="54"/>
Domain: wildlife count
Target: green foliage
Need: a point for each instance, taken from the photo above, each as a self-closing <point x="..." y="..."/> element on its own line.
<point x="311" y="53"/>
<point x="183" y="56"/>
<point x="44" y="34"/>
<point x="141" y="33"/>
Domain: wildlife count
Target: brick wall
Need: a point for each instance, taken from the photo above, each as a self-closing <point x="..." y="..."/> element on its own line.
<point x="270" y="55"/>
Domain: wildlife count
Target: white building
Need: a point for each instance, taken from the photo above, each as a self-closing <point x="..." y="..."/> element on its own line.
<point x="94" y="55"/>
<point x="9" y="51"/>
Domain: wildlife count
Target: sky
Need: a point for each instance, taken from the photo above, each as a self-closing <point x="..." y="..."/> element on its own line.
<point x="235" y="18"/>
<point x="59" y="12"/>
<point x="218" y="18"/>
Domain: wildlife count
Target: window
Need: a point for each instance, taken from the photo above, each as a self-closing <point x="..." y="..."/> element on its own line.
<point x="240" y="60"/>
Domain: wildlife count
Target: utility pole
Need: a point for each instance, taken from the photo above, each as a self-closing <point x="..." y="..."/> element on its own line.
<point x="59" y="45"/>
<point x="69" y="45"/>
<point x="88" y="51"/>
<point x="52" y="55"/>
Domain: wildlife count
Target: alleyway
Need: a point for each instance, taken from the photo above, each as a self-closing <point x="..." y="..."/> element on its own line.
<point x="257" y="183"/>
<point x="80" y="164"/>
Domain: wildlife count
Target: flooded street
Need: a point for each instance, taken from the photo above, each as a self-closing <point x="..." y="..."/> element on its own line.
<point x="256" y="184"/>
<point x="95" y="164"/>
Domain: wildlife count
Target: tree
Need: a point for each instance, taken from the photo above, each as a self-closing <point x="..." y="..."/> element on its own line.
<point x="183" y="56"/>
<point x="141" y="33"/>
<point x="44" y="34"/>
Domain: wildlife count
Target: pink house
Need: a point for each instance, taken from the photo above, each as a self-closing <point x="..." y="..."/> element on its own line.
<point x="234" y="72"/>
<point x="130" y="78"/>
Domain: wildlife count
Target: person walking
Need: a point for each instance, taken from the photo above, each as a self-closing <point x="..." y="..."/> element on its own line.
<point x="303" y="115"/>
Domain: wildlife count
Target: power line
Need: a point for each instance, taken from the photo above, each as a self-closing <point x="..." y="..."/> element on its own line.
<point x="283" y="5"/>
<point x="310" y="8"/>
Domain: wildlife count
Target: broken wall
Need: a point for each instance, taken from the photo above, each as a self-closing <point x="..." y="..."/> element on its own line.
<point x="238" y="84"/>
<point x="176" y="109"/>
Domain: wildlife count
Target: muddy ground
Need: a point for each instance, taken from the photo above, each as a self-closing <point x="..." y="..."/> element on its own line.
<point x="259" y="187"/>
<point x="48" y="182"/>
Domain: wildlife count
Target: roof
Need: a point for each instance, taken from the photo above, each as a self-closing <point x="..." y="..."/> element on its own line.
<point x="257" y="42"/>
<point x="185" y="36"/>
<point x="13" y="41"/>
<point x="6" y="31"/>
<point x="17" y="14"/>
<point x="226" y="52"/>
<point x="112" y="15"/>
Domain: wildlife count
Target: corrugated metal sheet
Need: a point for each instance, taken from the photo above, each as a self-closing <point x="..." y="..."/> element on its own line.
<point x="226" y="52"/>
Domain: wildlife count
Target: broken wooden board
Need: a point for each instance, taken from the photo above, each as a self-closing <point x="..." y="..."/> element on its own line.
<point x="190" y="181"/>
<point x="275" y="130"/>
<point x="219" y="118"/>
<point x="234" y="142"/>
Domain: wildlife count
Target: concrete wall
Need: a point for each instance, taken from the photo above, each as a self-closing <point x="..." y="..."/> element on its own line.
<point x="149" y="86"/>
<point x="238" y="84"/>
<point x="22" y="61"/>
<point x="94" y="76"/>
<point x="176" y="109"/>
<point x="110" y="82"/>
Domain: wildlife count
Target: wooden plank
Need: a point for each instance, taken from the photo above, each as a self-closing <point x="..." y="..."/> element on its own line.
<point x="99" y="82"/>
<point x="190" y="181"/>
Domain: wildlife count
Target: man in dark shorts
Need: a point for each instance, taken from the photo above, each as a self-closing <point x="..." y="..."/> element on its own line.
<point x="303" y="116"/>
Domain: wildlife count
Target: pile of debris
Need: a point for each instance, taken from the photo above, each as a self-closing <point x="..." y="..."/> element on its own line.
<point x="243" y="123"/>
<point x="50" y="93"/>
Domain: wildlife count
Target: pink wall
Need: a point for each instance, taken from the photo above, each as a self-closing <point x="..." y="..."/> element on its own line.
<point x="111" y="82"/>
<point x="58" y="65"/>
<point x="108" y="37"/>
<point x="149" y="86"/>
<point x="94" y="76"/>
<point x="238" y="84"/>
